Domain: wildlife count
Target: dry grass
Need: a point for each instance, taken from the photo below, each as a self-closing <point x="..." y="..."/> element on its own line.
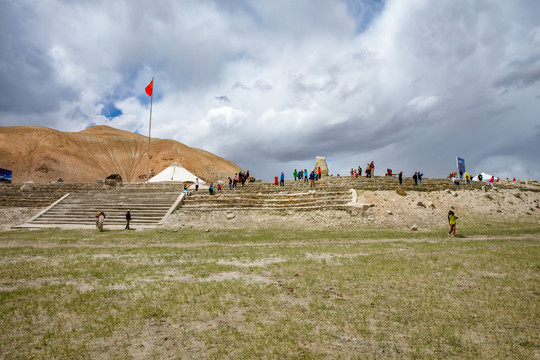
<point x="271" y="293"/>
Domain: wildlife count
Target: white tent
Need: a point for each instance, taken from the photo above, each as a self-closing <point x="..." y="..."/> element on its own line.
<point x="485" y="177"/>
<point x="175" y="173"/>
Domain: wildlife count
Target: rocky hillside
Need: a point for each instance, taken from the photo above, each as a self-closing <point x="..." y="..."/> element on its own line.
<point x="43" y="155"/>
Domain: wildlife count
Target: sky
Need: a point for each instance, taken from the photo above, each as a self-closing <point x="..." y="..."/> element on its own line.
<point x="270" y="85"/>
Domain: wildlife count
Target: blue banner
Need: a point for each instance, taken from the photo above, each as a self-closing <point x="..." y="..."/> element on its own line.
<point x="5" y="175"/>
<point x="461" y="167"/>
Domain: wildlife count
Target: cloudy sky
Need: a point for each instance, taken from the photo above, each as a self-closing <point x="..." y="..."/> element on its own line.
<point x="270" y="85"/>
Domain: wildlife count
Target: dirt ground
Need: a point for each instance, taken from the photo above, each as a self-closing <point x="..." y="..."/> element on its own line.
<point x="384" y="208"/>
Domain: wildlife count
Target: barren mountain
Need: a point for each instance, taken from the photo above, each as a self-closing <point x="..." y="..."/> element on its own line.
<point x="43" y="155"/>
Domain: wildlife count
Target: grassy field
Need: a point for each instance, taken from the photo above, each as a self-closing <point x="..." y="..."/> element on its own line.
<point x="271" y="293"/>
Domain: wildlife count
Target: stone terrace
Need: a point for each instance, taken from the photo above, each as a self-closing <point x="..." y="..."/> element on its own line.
<point x="330" y="193"/>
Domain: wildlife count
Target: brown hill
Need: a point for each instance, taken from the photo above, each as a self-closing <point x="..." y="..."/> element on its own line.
<point x="43" y="155"/>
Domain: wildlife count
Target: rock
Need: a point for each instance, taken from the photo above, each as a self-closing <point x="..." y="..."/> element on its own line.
<point x="230" y="216"/>
<point x="499" y="210"/>
<point x="487" y="196"/>
<point x="27" y="186"/>
<point x="401" y="192"/>
<point x="414" y="227"/>
<point x="432" y="205"/>
<point x="483" y="189"/>
<point x="113" y="179"/>
<point x="518" y="195"/>
<point x="206" y="230"/>
<point x="389" y="212"/>
<point x="228" y="211"/>
<point x="447" y="190"/>
<point x="421" y="204"/>
<point x="320" y="162"/>
<point x="370" y="218"/>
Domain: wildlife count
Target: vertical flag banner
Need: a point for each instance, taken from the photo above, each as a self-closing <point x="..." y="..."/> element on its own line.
<point x="460" y="167"/>
<point x="149" y="88"/>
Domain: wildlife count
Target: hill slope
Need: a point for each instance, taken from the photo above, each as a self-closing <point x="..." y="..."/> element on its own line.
<point x="43" y="155"/>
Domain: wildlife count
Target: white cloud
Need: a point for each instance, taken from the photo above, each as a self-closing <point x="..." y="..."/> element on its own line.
<point x="271" y="85"/>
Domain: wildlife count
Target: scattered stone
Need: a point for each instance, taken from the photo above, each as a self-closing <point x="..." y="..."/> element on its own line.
<point x="389" y="212"/>
<point x="175" y="230"/>
<point x="206" y="230"/>
<point x="487" y="196"/>
<point x="370" y="218"/>
<point x="414" y="227"/>
<point x="447" y="190"/>
<point x="230" y="216"/>
<point x="421" y="204"/>
<point x="499" y="210"/>
<point x="401" y="192"/>
<point x="518" y="195"/>
<point x="27" y="186"/>
<point x="432" y="205"/>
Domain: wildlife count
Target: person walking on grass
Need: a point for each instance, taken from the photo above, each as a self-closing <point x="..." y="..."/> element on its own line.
<point x="452" y="221"/>
<point x="128" y="219"/>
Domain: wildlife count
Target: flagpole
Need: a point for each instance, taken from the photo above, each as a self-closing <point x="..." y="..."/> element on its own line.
<point x="149" y="131"/>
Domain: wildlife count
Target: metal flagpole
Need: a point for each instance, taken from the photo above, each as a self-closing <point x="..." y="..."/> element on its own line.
<point x="149" y="131"/>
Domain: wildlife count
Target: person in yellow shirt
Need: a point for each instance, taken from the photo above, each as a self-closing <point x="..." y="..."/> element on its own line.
<point x="452" y="221"/>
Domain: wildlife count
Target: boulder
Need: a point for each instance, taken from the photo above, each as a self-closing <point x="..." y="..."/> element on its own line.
<point x="320" y="162"/>
<point x="230" y="216"/>
<point x="27" y="186"/>
<point x="401" y="192"/>
<point x="113" y="179"/>
<point x="414" y="227"/>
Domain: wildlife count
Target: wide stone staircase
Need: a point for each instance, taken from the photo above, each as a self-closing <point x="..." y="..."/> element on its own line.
<point x="147" y="208"/>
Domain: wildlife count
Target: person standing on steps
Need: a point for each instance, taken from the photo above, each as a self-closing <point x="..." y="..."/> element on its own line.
<point x="319" y="173"/>
<point x="305" y="175"/>
<point x="282" y="179"/>
<point x="312" y="180"/>
<point x="100" y="219"/>
<point x="196" y="184"/>
<point x="128" y="219"/>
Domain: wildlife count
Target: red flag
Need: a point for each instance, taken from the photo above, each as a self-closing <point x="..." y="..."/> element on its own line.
<point x="149" y="88"/>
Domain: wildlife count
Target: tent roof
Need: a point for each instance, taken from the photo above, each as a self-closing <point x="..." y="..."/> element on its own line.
<point x="175" y="173"/>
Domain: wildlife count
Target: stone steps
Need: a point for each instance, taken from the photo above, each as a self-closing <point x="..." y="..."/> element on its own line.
<point x="80" y="208"/>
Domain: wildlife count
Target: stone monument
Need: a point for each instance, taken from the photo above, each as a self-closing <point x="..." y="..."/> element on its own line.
<point x="321" y="162"/>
